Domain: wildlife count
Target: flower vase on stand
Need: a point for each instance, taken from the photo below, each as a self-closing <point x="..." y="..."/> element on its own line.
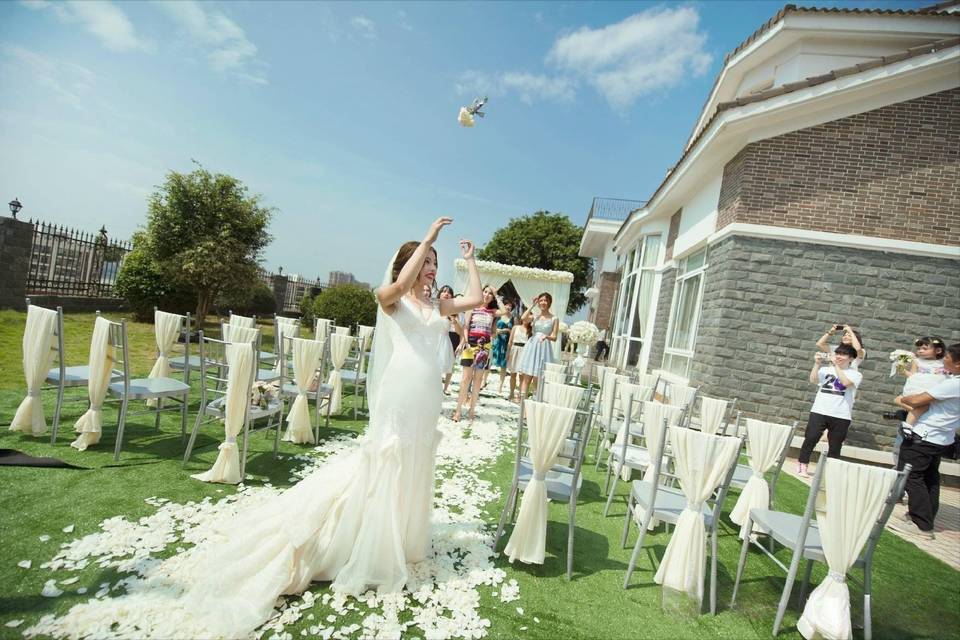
<point x="579" y="361"/>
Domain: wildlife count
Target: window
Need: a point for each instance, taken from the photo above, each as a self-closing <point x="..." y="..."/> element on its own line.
<point x="685" y="314"/>
<point x="635" y="303"/>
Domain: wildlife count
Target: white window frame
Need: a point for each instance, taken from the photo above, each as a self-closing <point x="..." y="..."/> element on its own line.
<point x="683" y="276"/>
<point x="635" y="268"/>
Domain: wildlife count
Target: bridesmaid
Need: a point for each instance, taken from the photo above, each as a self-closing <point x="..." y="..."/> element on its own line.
<point x="539" y="348"/>
<point x="518" y="338"/>
<point x="475" y="358"/>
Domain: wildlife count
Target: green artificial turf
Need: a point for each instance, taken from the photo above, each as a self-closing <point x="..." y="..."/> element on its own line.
<point x="914" y="595"/>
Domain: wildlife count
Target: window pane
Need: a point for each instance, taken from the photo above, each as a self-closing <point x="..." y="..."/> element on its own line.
<point x="676" y="364"/>
<point x="643" y="304"/>
<point x="633" y="353"/>
<point x="686" y="310"/>
<point x="695" y="261"/>
<point x="651" y="249"/>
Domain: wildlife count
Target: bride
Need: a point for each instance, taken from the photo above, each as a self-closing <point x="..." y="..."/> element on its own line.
<point x="358" y="521"/>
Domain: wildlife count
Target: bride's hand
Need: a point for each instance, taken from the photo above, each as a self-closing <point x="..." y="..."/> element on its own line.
<point x="466" y="249"/>
<point x="435" y="228"/>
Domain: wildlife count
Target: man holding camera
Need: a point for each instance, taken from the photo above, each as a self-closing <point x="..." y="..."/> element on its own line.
<point x="926" y="442"/>
<point x="832" y="408"/>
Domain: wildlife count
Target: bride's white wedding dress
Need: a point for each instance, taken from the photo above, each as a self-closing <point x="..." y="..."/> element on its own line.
<point x="357" y="521"/>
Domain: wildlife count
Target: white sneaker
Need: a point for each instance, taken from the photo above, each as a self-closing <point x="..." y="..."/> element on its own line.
<point x="910" y="527"/>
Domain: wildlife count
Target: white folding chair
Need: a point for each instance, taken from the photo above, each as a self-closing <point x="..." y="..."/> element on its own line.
<point x="317" y="390"/>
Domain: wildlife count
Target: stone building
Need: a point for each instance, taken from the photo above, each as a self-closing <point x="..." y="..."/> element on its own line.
<point x="820" y="185"/>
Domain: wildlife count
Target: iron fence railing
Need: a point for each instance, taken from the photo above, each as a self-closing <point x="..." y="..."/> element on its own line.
<point x="68" y="262"/>
<point x="295" y="289"/>
<point x="613" y="208"/>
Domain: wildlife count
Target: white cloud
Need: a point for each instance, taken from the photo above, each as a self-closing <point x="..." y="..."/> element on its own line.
<point x="364" y="26"/>
<point x="403" y="22"/>
<point x="227" y="48"/>
<point x="70" y="82"/>
<point x="529" y="87"/>
<point x="105" y="20"/>
<point x="649" y="51"/>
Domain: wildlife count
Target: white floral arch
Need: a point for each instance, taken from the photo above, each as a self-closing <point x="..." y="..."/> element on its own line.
<point x="528" y="282"/>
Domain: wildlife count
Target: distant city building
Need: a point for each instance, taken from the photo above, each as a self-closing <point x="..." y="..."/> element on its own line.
<point x="345" y="277"/>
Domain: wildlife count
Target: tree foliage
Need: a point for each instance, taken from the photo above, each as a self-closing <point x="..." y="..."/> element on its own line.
<point x="543" y="240"/>
<point x="142" y="284"/>
<point x="204" y="231"/>
<point x="346" y="305"/>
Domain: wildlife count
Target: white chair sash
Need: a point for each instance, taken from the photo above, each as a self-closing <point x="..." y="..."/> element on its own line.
<point x="680" y="396"/>
<point x="306" y="360"/>
<point x="242" y="321"/>
<point x="564" y="395"/>
<point x="556" y="377"/>
<point x="765" y="442"/>
<point x="234" y="333"/>
<point x="855" y="495"/>
<point x="38" y="353"/>
<point x="701" y="462"/>
<point x="343" y="331"/>
<point x="553" y="366"/>
<point x="712" y="411"/>
<point x="226" y="468"/>
<point x="322" y="328"/>
<point x="608" y="396"/>
<point x="101" y="366"/>
<point x="339" y="350"/>
<point x="548" y="426"/>
<point x="286" y="328"/>
<point x="166" y="329"/>
<point x="647" y="379"/>
<point x="653" y="416"/>
<point x="365" y="334"/>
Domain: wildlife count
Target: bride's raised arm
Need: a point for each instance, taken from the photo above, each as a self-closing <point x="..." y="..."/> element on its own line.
<point x="474" y="295"/>
<point x="389" y="295"/>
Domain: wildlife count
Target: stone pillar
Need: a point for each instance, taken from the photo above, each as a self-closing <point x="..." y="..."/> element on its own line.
<point x="16" y="238"/>
<point x="279" y="284"/>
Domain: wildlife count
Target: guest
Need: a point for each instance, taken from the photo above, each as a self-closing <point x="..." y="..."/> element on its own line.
<point x="850" y="336"/>
<point x="932" y="437"/>
<point x="925" y="371"/>
<point x="475" y="357"/>
<point x="501" y="341"/>
<point x="832" y="408"/>
<point x="453" y="332"/>
<point x="539" y="348"/>
<point x="602" y="348"/>
<point x="518" y="338"/>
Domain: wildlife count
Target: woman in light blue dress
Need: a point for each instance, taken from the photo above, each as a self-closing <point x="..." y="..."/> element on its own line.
<point x="539" y="348"/>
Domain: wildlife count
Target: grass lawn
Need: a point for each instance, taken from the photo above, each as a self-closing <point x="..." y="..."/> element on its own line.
<point x="914" y="595"/>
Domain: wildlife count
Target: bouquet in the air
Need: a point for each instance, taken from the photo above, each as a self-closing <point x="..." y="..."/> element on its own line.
<point x="901" y="359"/>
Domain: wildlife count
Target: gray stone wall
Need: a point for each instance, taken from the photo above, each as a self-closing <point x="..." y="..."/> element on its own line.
<point x="766" y="302"/>
<point x="16" y="238"/>
<point x="662" y="318"/>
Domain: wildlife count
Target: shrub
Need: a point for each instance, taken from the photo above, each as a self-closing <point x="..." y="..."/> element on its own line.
<point x="306" y="311"/>
<point x="346" y="305"/>
<point x="142" y="285"/>
<point x="256" y="301"/>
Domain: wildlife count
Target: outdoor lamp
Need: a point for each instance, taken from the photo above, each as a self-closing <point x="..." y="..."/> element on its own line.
<point x="15" y="207"/>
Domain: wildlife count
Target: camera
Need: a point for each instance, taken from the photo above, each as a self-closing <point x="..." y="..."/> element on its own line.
<point x="838" y="327"/>
<point x="825" y="356"/>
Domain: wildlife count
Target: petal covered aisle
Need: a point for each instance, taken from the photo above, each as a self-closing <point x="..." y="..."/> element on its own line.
<point x="443" y="593"/>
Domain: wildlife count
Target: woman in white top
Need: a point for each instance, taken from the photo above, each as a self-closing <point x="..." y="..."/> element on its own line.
<point x="518" y="338"/>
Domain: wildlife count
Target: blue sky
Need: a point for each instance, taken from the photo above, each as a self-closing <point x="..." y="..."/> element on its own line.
<point x="343" y="115"/>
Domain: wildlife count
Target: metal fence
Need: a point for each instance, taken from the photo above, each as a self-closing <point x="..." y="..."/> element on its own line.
<point x="294" y="289"/>
<point x="68" y="262"/>
<point x="613" y="208"/>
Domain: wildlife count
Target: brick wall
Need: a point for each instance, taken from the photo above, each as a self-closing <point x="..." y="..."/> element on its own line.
<point x="893" y="172"/>
<point x="662" y="318"/>
<point x="16" y="238"/>
<point x="606" y="300"/>
<point x="766" y="302"/>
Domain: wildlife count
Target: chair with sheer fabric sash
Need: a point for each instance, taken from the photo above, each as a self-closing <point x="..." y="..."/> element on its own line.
<point x="703" y="465"/>
<point x="42" y="346"/>
<point x="185" y="361"/>
<point x="316" y="389"/>
<point x="766" y="450"/>
<point x="712" y="415"/>
<point x="851" y="503"/>
<point x="607" y="420"/>
<point x="355" y="367"/>
<point x="544" y="464"/>
<point x="215" y="376"/>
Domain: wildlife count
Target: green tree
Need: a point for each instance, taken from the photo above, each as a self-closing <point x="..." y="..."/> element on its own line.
<point x="543" y="240"/>
<point x="141" y="283"/>
<point x="207" y="233"/>
<point x="346" y="305"/>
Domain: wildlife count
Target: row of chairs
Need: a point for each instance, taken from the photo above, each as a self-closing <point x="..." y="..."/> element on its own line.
<point x="165" y="393"/>
<point x="687" y="466"/>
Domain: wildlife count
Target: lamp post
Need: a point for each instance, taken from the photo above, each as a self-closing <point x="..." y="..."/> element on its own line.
<point x="15" y="207"/>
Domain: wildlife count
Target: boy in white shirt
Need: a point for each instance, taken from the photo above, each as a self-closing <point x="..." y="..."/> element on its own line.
<point x="832" y="408"/>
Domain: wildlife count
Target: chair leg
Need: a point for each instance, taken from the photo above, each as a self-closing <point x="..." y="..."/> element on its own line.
<point x="806" y="582"/>
<point x="121" y="422"/>
<point x="636" y="549"/>
<point x="156" y="417"/>
<point x="184" y="406"/>
<point x="193" y="435"/>
<point x="56" y="413"/>
<point x="713" y="572"/>
<point x="741" y="563"/>
<point x="867" y="595"/>
<point x="613" y="490"/>
<point x="606" y="482"/>
<point x="276" y="438"/>
<point x="570" y="530"/>
<point x="243" y="455"/>
<point x="326" y="422"/>
<point x="626" y="521"/>
<point x="503" y="514"/>
<point x="787" y="589"/>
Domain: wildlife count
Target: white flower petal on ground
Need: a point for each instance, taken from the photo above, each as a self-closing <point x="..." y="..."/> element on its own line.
<point x="13" y="624"/>
<point x="25" y="564"/>
<point x="520" y="610"/>
<point x="69" y="581"/>
<point x="68" y="529"/>
<point x="44" y="538"/>
<point x="50" y="589"/>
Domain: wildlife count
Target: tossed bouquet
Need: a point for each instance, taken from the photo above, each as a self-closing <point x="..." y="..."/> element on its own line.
<point x="583" y="332"/>
<point x="901" y="359"/>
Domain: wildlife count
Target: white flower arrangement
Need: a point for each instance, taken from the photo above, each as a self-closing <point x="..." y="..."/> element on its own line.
<point x="564" y="327"/>
<point x="583" y="332"/>
<point x="263" y="394"/>
<point x="514" y="271"/>
<point x="900" y="359"/>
